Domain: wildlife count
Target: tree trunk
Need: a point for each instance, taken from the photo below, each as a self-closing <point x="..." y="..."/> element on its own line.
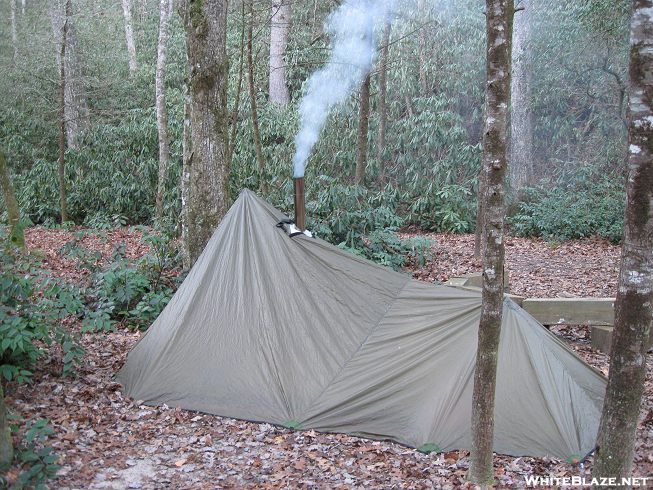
<point x="521" y="116"/>
<point x="187" y="154"/>
<point x="14" y="35"/>
<point x="423" y="53"/>
<point x="165" y="11"/>
<point x="478" y="234"/>
<point x="129" y="35"/>
<point x="499" y="15"/>
<point x="634" y="303"/>
<point x="6" y="446"/>
<point x="76" y="108"/>
<point x="383" y="109"/>
<point x="208" y="194"/>
<point x="61" y="174"/>
<point x="258" y="148"/>
<point x="279" y="30"/>
<point x="239" y="87"/>
<point x="363" y="124"/>
<point x="13" y="211"/>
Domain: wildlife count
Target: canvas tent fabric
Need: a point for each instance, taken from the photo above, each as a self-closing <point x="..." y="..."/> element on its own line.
<point x="297" y="332"/>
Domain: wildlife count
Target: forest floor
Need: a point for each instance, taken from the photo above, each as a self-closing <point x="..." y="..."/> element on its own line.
<point x="107" y="441"/>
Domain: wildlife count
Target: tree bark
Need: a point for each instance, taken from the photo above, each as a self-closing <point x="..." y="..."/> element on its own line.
<point x="499" y="15"/>
<point x="129" y="35"/>
<point x="363" y="125"/>
<point x="383" y="90"/>
<point x="14" y="34"/>
<point x="279" y="30"/>
<point x="239" y="87"/>
<point x="208" y="198"/>
<point x="6" y="446"/>
<point x="76" y="108"/>
<point x="187" y="154"/>
<point x="521" y="115"/>
<point x="165" y="11"/>
<point x="478" y="233"/>
<point x="258" y="148"/>
<point x="13" y="211"/>
<point x="61" y="164"/>
<point x="634" y="302"/>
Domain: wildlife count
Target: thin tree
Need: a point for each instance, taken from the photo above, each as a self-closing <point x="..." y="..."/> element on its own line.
<point x="634" y="302"/>
<point x="76" y="107"/>
<point x="239" y="85"/>
<point x="11" y="205"/>
<point x="6" y="446"/>
<point x="129" y="36"/>
<point x="363" y="125"/>
<point x="14" y="35"/>
<point x="258" y="147"/>
<point x="165" y="11"/>
<point x="521" y="115"/>
<point x="279" y="29"/>
<point x="383" y="108"/>
<point x="499" y="15"/>
<point x="423" y="51"/>
<point x="61" y="173"/>
<point x="207" y="199"/>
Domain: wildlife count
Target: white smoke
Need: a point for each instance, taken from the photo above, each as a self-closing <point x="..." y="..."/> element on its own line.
<point x="351" y="27"/>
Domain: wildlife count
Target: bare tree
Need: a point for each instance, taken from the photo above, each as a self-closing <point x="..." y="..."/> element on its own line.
<point x="279" y="29"/>
<point x="383" y="109"/>
<point x="61" y="174"/>
<point x="207" y="199"/>
<point x="11" y="205"/>
<point x="423" y="52"/>
<point x="14" y="35"/>
<point x="165" y="11"/>
<point x="75" y="108"/>
<point x="499" y="15"/>
<point x="634" y="303"/>
<point x="6" y="447"/>
<point x="258" y="147"/>
<point x="239" y="85"/>
<point x="521" y="115"/>
<point x="363" y="125"/>
<point x="129" y="35"/>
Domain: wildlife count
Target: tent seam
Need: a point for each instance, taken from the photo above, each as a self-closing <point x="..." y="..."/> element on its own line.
<point x="360" y="347"/>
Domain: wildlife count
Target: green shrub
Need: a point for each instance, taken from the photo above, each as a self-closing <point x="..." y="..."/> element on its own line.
<point x="130" y="292"/>
<point x="37" y="460"/>
<point x="582" y="208"/>
<point x="32" y="308"/>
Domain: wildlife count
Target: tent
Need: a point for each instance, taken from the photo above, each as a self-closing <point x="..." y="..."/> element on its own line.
<point x="297" y="332"/>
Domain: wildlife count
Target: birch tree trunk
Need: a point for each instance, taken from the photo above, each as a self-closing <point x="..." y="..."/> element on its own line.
<point x="186" y="150"/>
<point x="6" y="446"/>
<point x="634" y="303"/>
<point x="521" y="115"/>
<point x="363" y="125"/>
<point x="208" y="169"/>
<point x="383" y="89"/>
<point x="499" y="15"/>
<point x="14" y="35"/>
<point x="258" y="147"/>
<point x="13" y="211"/>
<point x="129" y="35"/>
<point x="279" y="30"/>
<point x="165" y="11"/>
<point x="76" y="108"/>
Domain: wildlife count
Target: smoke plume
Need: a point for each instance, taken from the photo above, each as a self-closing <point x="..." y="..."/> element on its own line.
<point x="352" y="30"/>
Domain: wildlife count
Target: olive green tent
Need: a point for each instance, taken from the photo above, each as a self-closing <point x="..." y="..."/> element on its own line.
<point x="297" y="332"/>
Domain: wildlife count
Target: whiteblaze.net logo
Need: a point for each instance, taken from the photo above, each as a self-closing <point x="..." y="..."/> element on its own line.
<point x="582" y="481"/>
